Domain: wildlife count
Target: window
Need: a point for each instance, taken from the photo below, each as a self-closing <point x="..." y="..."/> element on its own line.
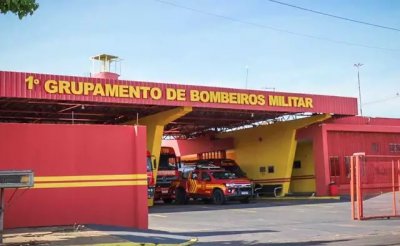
<point x="394" y="147"/>
<point x="271" y="169"/>
<point x="297" y="164"/>
<point x="223" y="175"/>
<point x="194" y="175"/>
<point x="205" y="176"/>
<point x="149" y="164"/>
<point x="167" y="162"/>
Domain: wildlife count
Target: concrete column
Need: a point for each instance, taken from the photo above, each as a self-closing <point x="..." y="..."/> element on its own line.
<point x="155" y="127"/>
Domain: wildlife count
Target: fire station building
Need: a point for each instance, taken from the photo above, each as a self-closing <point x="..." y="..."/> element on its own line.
<point x="86" y="139"/>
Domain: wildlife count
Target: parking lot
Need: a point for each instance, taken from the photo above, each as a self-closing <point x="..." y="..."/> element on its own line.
<point x="274" y="222"/>
<point x="261" y="222"/>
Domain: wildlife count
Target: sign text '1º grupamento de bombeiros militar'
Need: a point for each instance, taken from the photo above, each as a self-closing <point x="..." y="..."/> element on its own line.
<point x="64" y="87"/>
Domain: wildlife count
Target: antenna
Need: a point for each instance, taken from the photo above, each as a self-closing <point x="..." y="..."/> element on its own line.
<point x="269" y="88"/>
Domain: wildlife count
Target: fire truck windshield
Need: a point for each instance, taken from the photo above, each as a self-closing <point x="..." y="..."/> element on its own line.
<point x="223" y="175"/>
<point x="167" y="162"/>
<point x="235" y="169"/>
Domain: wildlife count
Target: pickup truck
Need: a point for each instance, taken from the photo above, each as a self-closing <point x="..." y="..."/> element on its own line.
<point x="212" y="185"/>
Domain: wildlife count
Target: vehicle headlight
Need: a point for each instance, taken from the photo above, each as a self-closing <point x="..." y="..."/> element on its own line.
<point x="230" y="185"/>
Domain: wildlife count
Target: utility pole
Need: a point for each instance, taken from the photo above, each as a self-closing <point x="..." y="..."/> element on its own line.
<point x="358" y="65"/>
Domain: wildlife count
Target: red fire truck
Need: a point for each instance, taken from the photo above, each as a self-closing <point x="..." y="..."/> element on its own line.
<point x="151" y="165"/>
<point x="212" y="183"/>
<point x="167" y="173"/>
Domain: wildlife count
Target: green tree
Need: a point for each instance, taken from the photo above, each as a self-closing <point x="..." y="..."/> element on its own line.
<point x="19" y="7"/>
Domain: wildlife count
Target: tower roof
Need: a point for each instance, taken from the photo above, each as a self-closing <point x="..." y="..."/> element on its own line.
<point x="105" y="57"/>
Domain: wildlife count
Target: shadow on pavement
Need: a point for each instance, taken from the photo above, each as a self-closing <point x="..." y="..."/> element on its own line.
<point x="223" y="233"/>
<point x="143" y="236"/>
<point x="163" y="237"/>
<point x="256" y="243"/>
<point x="58" y="235"/>
<point x="194" y="206"/>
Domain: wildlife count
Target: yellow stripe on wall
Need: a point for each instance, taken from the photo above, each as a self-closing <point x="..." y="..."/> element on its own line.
<point x="90" y="177"/>
<point x="89" y="184"/>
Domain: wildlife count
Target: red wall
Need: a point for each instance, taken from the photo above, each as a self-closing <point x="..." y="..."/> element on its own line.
<point x="343" y="137"/>
<point x="346" y="143"/>
<point x="357" y="120"/>
<point x="75" y="150"/>
<point x="342" y="144"/>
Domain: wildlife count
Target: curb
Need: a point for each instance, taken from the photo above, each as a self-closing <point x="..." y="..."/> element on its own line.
<point x="190" y="242"/>
<point x="283" y="198"/>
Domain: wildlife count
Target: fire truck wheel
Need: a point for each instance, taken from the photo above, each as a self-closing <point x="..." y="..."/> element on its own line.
<point x="180" y="196"/>
<point x="245" y="200"/>
<point x="167" y="200"/>
<point x="218" y="197"/>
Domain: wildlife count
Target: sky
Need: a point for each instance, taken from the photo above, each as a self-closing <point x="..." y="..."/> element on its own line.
<point x="219" y="43"/>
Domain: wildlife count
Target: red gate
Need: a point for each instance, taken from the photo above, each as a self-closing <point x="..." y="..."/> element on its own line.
<point x="374" y="186"/>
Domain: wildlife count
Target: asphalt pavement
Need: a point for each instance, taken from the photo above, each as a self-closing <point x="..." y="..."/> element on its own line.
<point x="261" y="222"/>
<point x="274" y="222"/>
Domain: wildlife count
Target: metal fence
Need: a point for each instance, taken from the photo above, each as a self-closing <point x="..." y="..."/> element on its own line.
<point x="374" y="186"/>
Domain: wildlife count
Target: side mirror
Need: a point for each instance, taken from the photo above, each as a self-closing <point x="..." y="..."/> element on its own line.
<point x="154" y="164"/>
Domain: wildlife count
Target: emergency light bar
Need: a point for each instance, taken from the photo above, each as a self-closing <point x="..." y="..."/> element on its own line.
<point x="16" y="179"/>
<point x="205" y="166"/>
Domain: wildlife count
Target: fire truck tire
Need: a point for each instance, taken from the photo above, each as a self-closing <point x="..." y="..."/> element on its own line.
<point x="245" y="200"/>
<point x="167" y="200"/>
<point x="218" y="197"/>
<point x="180" y="196"/>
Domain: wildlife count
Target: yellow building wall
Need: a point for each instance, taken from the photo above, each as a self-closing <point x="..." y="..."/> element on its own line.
<point x="155" y="128"/>
<point x="230" y="154"/>
<point x="258" y="148"/>
<point x="303" y="178"/>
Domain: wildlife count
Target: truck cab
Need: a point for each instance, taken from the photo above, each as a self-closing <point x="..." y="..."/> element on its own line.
<point x="151" y="165"/>
<point x="167" y="173"/>
<point x="212" y="184"/>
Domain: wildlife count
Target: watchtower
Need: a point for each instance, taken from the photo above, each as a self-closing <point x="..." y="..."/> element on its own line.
<point x="105" y="66"/>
